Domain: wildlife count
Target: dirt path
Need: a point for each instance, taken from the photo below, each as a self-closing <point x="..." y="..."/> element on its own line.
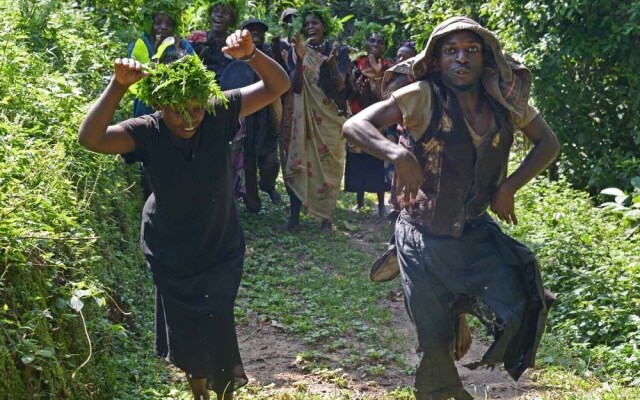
<point x="269" y="355"/>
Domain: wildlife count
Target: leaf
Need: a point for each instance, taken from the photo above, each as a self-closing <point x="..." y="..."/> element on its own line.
<point x="163" y="46"/>
<point x="28" y="359"/>
<point x="45" y="353"/>
<point x="60" y="303"/>
<point x="101" y="301"/>
<point x="612" y="192"/>
<point x="635" y="181"/>
<point x="82" y="293"/>
<point x="76" y="303"/>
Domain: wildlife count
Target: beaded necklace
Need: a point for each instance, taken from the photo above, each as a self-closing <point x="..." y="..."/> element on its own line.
<point x="317" y="46"/>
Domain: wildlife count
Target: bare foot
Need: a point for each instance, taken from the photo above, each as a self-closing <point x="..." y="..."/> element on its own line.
<point x="326" y="225"/>
<point x="463" y="337"/>
<point x="290" y="226"/>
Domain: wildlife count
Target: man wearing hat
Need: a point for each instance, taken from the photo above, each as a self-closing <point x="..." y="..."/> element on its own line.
<point x="260" y="144"/>
<point x="466" y="100"/>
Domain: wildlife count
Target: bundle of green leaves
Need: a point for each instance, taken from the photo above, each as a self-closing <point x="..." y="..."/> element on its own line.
<point x="332" y="24"/>
<point x="179" y="84"/>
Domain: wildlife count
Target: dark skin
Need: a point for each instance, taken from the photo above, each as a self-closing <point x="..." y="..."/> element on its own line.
<point x="314" y="30"/>
<point x="162" y="26"/>
<point x="459" y="59"/>
<point x="279" y="53"/>
<point x="257" y="33"/>
<point x="98" y="135"/>
<point x="221" y="18"/>
<point x="404" y="53"/>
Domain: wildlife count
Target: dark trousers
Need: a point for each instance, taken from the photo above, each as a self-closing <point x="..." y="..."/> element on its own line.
<point x="437" y="269"/>
<point x="267" y="167"/>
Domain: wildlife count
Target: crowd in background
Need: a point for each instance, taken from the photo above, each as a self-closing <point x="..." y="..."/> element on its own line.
<point x="299" y="136"/>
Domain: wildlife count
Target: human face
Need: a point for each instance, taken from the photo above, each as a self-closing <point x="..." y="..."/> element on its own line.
<point x="221" y="18"/>
<point x="404" y="53"/>
<point x="182" y="127"/>
<point x="376" y="45"/>
<point x="161" y="27"/>
<point x="257" y="34"/>
<point x="459" y="58"/>
<point x="313" y="29"/>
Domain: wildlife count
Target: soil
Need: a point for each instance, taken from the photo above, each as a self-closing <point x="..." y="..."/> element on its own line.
<point x="269" y="356"/>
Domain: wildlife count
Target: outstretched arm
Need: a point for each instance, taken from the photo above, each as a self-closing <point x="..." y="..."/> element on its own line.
<point x="95" y="132"/>
<point x="364" y="130"/>
<point x="274" y="81"/>
<point x="545" y="149"/>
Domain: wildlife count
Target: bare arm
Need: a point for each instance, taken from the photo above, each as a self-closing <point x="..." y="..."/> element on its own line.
<point x="274" y="81"/>
<point x="96" y="133"/>
<point x="545" y="149"/>
<point x="337" y="77"/>
<point x="300" y="48"/>
<point x="363" y="130"/>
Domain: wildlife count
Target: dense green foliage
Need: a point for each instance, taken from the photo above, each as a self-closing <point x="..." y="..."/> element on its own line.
<point x="73" y="282"/>
<point x="594" y="268"/>
<point x="65" y="216"/>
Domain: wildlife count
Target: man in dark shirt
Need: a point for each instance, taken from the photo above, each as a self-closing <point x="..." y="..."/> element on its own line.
<point x="466" y="100"/>
<point x="260" y="143"/>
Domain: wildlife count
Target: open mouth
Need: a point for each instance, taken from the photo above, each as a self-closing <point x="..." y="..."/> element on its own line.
<point x="461" y="72"/>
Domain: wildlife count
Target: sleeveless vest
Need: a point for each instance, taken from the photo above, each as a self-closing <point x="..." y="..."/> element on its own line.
<point x="459" y="180"/>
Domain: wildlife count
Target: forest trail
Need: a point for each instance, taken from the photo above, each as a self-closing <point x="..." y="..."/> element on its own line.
<point x="270" y="356"/>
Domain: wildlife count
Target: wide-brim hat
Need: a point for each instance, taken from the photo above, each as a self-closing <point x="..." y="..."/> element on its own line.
<point x="254" y="21"/>
<point x="287" y="12"/>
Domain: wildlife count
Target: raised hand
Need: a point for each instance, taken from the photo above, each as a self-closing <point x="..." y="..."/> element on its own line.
<point x="239" y="44"/>
<point x="128" y="71"/>
<point x="376" y="65"/>
<point x="333" y="56"/>
<point x="300" y="46"/>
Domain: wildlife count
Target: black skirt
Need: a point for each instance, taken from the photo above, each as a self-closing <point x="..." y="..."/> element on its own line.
<point x="365" y="173"/>
<point x="196" y="332"/>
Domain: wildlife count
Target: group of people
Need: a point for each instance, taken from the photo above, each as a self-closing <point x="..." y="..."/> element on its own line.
<point x="312" y="112"/>
<point x="457" y="105"/>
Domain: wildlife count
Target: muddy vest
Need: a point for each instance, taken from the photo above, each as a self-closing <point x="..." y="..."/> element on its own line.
<point x="459" y="179"/>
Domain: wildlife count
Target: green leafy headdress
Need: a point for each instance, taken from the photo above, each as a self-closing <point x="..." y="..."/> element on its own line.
<point x="333" y="25"/>
<point x="363" y="30"/>
<point x="150" y="8"/>
<point x="179" y="84"/>
<point x="238" y="6"/>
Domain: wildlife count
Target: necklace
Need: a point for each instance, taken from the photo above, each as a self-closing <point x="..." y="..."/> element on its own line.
<point x="316" y="46"/>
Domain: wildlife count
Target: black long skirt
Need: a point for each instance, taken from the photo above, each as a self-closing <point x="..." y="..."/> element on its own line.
<point x="195" y="324"/>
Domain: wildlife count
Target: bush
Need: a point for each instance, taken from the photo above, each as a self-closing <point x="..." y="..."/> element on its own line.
<point x="595" y="271"/>
<point x="65" y="216"/>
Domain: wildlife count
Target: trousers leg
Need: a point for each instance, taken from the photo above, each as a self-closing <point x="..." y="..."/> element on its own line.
<point x="430" y="307"/>
<point x="268" y="167"/>
<point x="251" y="197"/>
